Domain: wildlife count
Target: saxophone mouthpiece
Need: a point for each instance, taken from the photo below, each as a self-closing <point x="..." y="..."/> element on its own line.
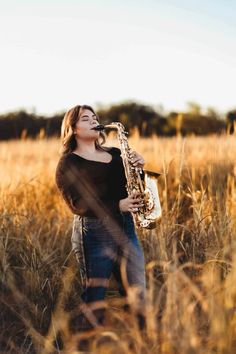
<point x="99" y="127"/>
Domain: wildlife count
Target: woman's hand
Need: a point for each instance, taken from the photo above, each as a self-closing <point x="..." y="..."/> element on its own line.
<point x="137" y="160"/>
<point x="131" y="203"/>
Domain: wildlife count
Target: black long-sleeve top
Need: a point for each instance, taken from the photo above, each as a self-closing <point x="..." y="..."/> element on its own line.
<point x="92" y="188"/>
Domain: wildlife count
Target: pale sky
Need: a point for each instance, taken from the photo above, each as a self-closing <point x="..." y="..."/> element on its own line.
<point x="59" y="53"/>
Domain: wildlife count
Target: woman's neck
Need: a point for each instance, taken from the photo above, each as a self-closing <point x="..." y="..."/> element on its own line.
<point x="85" y="147"/>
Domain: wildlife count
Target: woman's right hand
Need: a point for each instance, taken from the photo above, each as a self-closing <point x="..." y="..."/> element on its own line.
<point x="131" y="203"/>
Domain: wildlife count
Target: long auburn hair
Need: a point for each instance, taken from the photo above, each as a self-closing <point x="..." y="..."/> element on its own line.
<point x="69" y="121"/>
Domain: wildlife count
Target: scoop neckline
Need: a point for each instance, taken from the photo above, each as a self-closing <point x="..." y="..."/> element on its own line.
<point x="93" y="160"/>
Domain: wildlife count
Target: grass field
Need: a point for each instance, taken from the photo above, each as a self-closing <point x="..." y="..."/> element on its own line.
<point x="190" y="257"/>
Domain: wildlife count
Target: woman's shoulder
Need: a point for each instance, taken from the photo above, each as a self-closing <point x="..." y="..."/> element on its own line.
<point x="65" y="161"/>
<point x="67" y="168"/>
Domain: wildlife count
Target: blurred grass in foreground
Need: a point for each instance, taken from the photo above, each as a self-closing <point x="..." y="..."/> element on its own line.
<point x="190" y="257"/>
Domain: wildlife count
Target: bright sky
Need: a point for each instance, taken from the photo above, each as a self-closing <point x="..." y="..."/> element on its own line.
<point x="59" y="53"/>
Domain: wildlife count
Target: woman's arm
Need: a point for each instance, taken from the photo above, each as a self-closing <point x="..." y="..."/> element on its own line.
<point x="65" y="183"/>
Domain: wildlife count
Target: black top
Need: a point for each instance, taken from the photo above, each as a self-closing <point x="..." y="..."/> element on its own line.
<point x="92" y="188"/>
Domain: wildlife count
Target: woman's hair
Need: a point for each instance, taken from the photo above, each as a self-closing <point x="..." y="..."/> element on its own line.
<point x="68" y="139"/>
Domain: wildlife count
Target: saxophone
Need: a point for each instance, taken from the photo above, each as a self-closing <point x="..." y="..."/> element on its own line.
<point x="138" y="180"/>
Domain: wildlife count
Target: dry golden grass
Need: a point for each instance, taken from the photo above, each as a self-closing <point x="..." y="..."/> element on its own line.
<point x="190" y="257"/>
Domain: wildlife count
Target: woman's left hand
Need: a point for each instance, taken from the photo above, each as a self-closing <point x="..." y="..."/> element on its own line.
<point x="137" y="160"/>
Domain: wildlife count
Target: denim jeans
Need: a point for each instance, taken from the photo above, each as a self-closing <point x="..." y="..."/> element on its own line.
<point x="104" y="247"/>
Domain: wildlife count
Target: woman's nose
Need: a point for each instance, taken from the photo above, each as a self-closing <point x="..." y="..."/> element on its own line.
<point x="93" y="120"/>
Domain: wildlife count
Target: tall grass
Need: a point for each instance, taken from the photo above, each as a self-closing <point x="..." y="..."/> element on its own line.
<point x="190" y="256"/>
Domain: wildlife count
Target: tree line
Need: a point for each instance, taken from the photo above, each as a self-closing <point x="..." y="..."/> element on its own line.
<point x="146" y="119"/>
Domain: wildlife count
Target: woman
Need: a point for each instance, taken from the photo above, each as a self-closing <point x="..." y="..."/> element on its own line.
<point x="91" y="179"/>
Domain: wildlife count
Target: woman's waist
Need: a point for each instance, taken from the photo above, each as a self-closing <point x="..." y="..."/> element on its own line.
<point x="93" y="219"/>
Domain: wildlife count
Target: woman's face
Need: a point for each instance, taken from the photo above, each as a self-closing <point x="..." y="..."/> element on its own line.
<point x="86" y="122"/>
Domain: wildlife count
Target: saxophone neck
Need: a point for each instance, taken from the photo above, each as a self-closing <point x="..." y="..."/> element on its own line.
<point x="117" y="126"/>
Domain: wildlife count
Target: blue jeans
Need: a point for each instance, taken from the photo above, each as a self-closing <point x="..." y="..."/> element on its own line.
<point x="104" y="247"/>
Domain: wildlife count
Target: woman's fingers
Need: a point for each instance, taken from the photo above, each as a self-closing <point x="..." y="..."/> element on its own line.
<point x="132" y="203"/>
<point x="136" y="159"/>
<point x="135" y="204"/>
<point x="135" y="195"/>
<point x="133" y="210"/>
<point x="138" y="162"/>
<point x="136" y="199"/>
